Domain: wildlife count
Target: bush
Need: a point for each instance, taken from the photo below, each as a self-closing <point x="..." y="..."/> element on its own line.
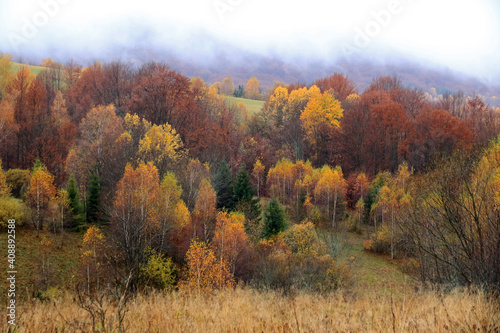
<point x="302" y="239"/>
<point x="17" y="179"/>
<point x="11" y="208"/>
<point x="368" y="245"/>
<point x="382" y="240"/>
<point x="158" y="272"/>
<point x="299" y="259"/>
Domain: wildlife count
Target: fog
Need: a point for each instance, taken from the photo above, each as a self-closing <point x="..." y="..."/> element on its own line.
<point x="463" y="36"/>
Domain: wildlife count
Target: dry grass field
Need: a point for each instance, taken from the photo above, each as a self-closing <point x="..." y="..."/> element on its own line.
<point x="246" y="310"/>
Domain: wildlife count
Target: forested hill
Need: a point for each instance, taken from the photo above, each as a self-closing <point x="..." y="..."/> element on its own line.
<point x="241" y="65"/>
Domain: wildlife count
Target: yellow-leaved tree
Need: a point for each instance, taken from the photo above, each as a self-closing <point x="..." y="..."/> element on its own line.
<point x="162" y="146"/>
<point x="331" y="187"/>
<point x="322" y="111"/>
<point x="204" y="271"/>
<point x="92" y="258"/>
<point x="173" y="211"/>
<point x="252" y="89"/>
<point x="258" y="175"/>
<point x="41" y="191"/>
<point x="230" y="242"/>
<point x="277" y="104"/>
<point x="136" y="217"/>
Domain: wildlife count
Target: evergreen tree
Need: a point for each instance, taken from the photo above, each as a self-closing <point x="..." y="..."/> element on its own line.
<point x="240" y="92"/>
<point x="222" y="184"/>
<point x="93" y="202"/>
<point x="73" y="195"/>
<point x="274" y="219"/>
<point x="244" y="201"/>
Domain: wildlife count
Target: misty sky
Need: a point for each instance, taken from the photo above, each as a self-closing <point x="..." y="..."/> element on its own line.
<point x="464" y="35"/>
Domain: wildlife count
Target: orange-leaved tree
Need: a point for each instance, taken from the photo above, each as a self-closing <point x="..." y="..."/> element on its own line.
<point x="204" y="272"/>
<point x="204" y="212"/>
<point x="230" y="242"/>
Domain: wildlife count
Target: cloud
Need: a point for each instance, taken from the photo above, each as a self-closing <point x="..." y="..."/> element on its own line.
<point x="464" y="35"/>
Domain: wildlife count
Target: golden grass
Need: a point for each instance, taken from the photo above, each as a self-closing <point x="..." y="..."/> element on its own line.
<point x="246" y="310"/>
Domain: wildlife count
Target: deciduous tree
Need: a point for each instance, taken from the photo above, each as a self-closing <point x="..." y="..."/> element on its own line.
<point x="162" y="146"/>
<point x="40" y="192"/>
<point x="252" y="89"/>
<point x="204" y="271"/>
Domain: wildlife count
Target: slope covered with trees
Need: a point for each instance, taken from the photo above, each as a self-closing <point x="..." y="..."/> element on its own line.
<point x="174" y="188"/>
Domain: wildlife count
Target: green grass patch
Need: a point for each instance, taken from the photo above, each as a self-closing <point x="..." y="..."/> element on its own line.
<point x="253" y="106"/>
<point x="34" y="69"/>
<point x="374" y="273"/>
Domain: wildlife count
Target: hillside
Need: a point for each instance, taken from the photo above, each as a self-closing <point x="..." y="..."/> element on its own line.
<point x="253" y="106"/>
<point x="34" y="69"/>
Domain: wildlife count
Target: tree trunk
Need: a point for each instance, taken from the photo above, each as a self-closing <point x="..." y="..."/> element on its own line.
<point x="334" y="209"/>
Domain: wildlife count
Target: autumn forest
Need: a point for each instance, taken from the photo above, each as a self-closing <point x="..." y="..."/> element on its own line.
<point x="137" y="185"/>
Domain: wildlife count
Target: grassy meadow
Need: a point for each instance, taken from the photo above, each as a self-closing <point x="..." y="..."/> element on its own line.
<point x="34" y="69"/>
<point x="253" y="106"/>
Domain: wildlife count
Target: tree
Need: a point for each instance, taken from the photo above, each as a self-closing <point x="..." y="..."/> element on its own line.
<point x="319" y="120"/>
<point x="204" y="272"/>
<point x="5" y="72"/>
<point x="8" y="126"/>
<point x="162" y="96"/>
<point x="60" y="210"/>
<point x="322" y="109"/>
<point x="244" y="201"/>
<point x="41" y="191"/>
<point x="73" y="196"/>
<point x="4" y="187"/>
<point x="331" y="186"/>
<point x="437" y="132"/>
<point x="240" y="92"/>
<point x="162" y="146"/>
<point x="230" y="242"/>
<point x="338" y="84"/>
<point x="205" y="211"/>
<point x="57" y="137"/>
<point x="86" y="92"/>
<point x="174" y="215"/>
<point x="227" y="86"/>
<point x="137" y="127"/>
<point x="92" y="257"/>
<point x="276" y="105"/>
<point x="190" y="177"/>
<point x="223" y="185"/>
<point x="252" y="90"/>
<point x="258" y="175"/>
<point x="387" y="138"/>
<point x="93" y="206"/>
<point x="99" y="148"/>
<point x="136" y="214"/>
<point x="23" y="98"/>
<point x="362" y="185"/>
<point x="274" y="219"/>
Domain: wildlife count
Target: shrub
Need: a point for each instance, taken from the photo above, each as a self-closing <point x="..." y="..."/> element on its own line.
<point x="17" y="180"/>
<point x="368" y="245"/>
<point x="11" y="208"/>
<point x="302" y="239"/>
<point x="158" y="272"/>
